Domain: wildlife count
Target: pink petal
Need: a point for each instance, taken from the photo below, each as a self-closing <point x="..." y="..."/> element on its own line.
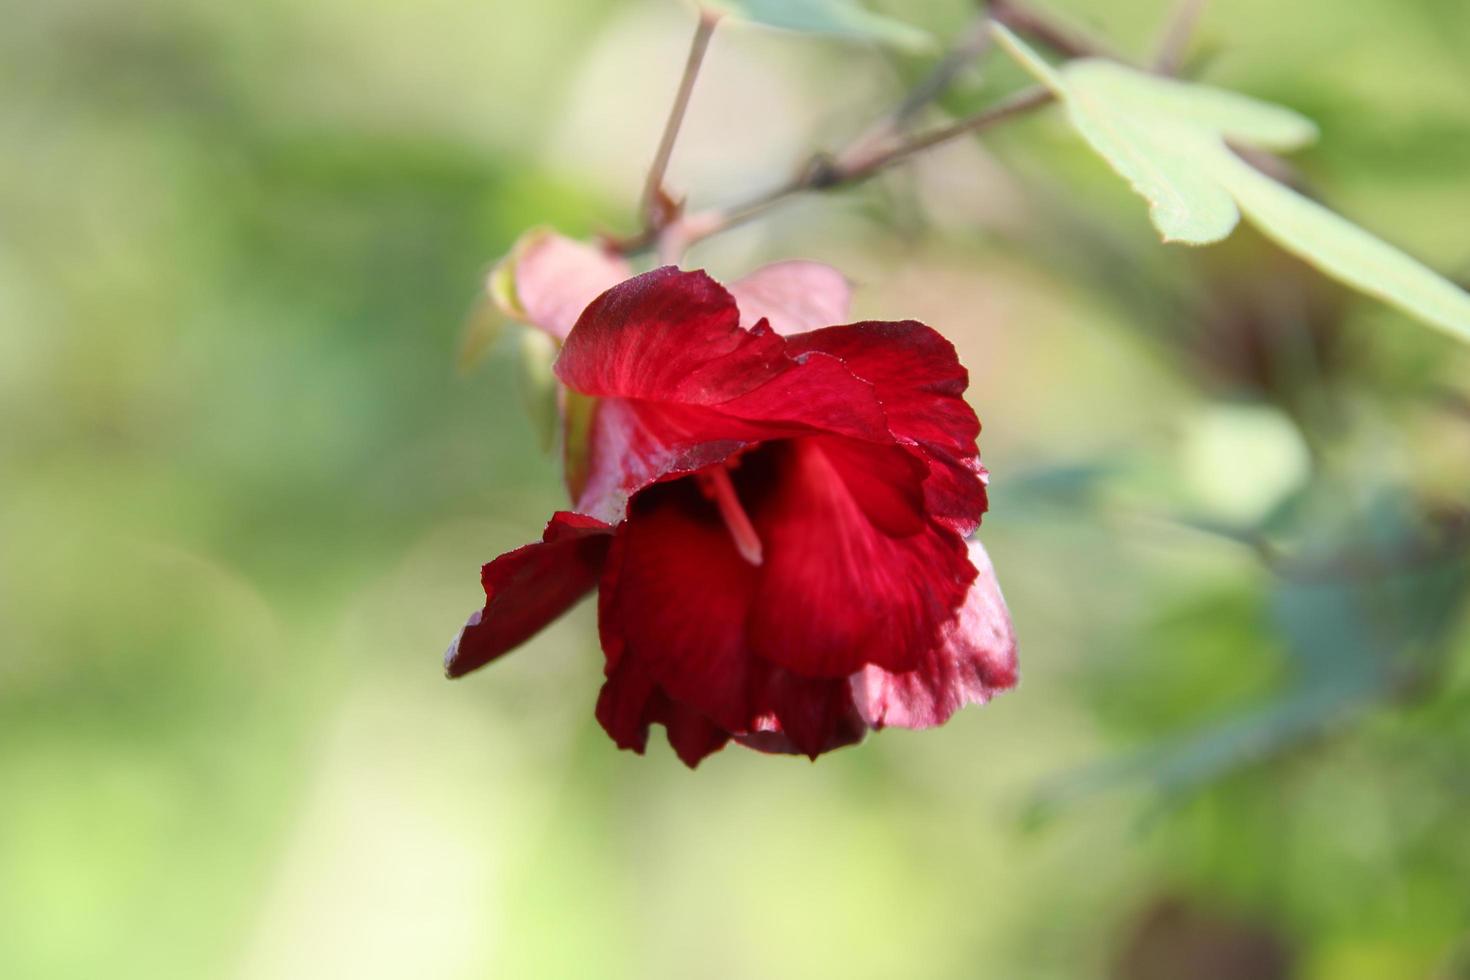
<point x="556" y="277"/>
<point x="527" y="588"/>
<point x="794" y="296"/>
<point x="855" y="572"/>
<point x="976" y="659"/>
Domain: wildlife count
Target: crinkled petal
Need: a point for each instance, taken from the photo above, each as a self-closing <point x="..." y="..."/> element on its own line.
<point x="527" y="588"/>
<point x="917" y="374"/>
<point x="634" y="442"/>
<point x="680" y="385"/>
<point x="631" y="445"/>
<point x="921" y="384"/>
<point x="667" y="336"/>
<point x="855" y="573"/>
<point x="630" y="701"/>
<point x="802" y="715"/>
<point x="675" y="597"/>
<point x="794" y="296"/>
<point x="556" y="277"/>
<point x="976" y="660"/>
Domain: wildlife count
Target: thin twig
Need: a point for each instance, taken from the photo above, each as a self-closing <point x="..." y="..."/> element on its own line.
<point x="1064" y="40"/>
<point x="1008" y="108"/>
<point x="1174" y="43"/>
<point x="655" y="214"/>
<point x="822" y="173"/>
<point x="973" y="43"/>
<point x="674" y="233"/>
<point x="1445" y="541"/>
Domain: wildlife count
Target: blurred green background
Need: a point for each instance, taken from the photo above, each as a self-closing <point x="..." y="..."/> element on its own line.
<point x="244" y="496"/>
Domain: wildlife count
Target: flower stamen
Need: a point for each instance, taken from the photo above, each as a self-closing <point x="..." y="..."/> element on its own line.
<point x="716" y="483"/>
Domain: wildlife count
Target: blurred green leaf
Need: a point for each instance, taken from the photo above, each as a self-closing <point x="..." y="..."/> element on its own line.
<point x="539" y="387"/>
<point x="493" y="311"/>
<point x="482" y="328"/>
<point x="579" y="410"/>
<point x="500" y="285"/>
<point x="833" y="18"/>
<point x="1213" y="751"/>
<point x="1168" y="140"/>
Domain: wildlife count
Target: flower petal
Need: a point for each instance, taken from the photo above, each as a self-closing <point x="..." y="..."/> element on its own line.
<point x="631" y="445"/>
<point x="976" y="659"/>
<point x="556" y="277"/>
<point x="667" y="336"/>
<point x="630" y="701"/>
<point x="855" y="572"/>
<point x="674" y="598"/>
<point x="675" y="338"/>
<point x="527" y="588"/>
<point x="681" y="386"/>
<point x="921" y="383"/>
<point x="802" y="715"/>
<point x="794" y="296"/>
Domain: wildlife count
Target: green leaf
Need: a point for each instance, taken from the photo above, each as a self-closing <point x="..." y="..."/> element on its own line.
<point x="494" y="310"/>
<point x="1168" y="139"/>
<point x="576" y="447"/>
<point x="500" y="285"/>
<point x="482" y="328"/>
<point x="834" y="18"/>
<point x="539" y="387"/>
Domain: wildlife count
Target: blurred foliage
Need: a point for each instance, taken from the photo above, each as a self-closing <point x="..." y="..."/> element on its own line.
<point x="244" y="496"/>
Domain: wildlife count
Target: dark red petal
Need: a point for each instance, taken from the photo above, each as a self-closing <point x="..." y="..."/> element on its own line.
<point x="793" y="296"/>
<point x="975" y="660"/>
<point x="691" y="734"/>
<point x="527" y="588"/>
<point x="802" y="715"/>
<point x="556" y="277"/>
<point x="630" y="701"/>
<point x="921" y="383"/>
<point x="675" y="597"/>
<point x="622" y="705"/>
<point x="837" y="590"/>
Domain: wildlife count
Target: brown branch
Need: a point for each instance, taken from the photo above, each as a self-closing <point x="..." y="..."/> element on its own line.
<point x="974" y="42"/>
<point x="656" y="210"/>
<point x="673" y="233"/>
<point x="1169" y="55"/>
<point x="1015" y="105"/>
<point x="823" y="173"/>
<point x="1064" y="40"/>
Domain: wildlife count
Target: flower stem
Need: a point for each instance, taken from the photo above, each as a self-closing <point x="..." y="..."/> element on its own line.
<point x="823" y="174"/>
<point x="672" y="232"/>
<point x="656" y="213"/>
<point x="1175" y="40"/>
<point x="1062" y="39"/>
<point x="973" y="42"/>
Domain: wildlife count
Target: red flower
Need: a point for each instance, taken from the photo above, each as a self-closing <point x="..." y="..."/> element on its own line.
<point x="775" y="524"/>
